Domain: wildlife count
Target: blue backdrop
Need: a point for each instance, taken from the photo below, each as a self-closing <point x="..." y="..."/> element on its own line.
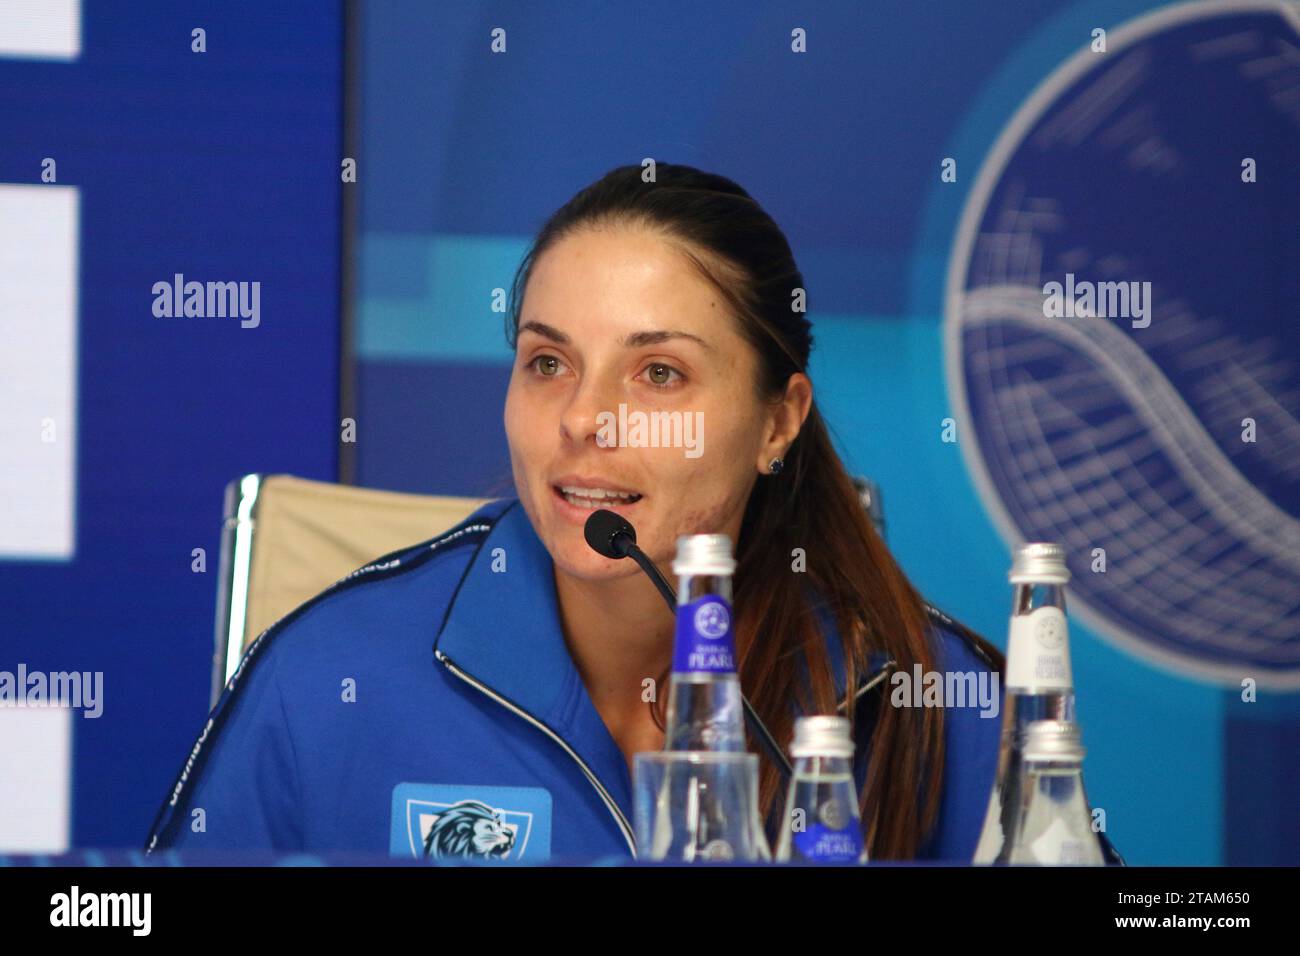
<point x="222" y="166"/>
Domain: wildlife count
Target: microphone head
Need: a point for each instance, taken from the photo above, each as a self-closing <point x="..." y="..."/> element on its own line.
<point x="609" y="533"/>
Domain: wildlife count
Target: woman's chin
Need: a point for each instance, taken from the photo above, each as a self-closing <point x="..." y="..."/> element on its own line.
<point x="579" y="561"/>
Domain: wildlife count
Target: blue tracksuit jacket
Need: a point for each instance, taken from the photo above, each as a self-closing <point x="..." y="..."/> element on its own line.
<point x="427" y="703"/>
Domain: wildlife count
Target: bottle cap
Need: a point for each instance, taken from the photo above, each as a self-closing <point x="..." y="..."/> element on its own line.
<point x="704" y="554"/>
<point x="821" y="737"/>
<point x="1039" y="563"/>
<point x="1053" y="740"/>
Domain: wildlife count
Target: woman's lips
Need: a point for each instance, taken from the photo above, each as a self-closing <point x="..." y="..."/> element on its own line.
<point x="580" y="509"/>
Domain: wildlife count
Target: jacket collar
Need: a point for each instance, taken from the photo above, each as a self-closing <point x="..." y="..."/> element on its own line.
<point x="503" y="630"/>
<point x="503" y="622"/>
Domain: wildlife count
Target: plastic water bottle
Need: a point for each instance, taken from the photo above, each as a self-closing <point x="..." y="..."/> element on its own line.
<point x="1039" y="684"/>
<point x="705" y="708"/>
<point x="822" y="823"/>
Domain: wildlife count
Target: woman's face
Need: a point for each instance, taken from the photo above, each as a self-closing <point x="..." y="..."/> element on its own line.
<point x="617" y="329"/>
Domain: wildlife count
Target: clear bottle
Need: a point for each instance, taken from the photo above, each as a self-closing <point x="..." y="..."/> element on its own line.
<point x="701" y="800"/>
<point x="1039" y="682"/>
<point x="822" y="823"/>
<point x="1054" y="825"/>
<point x="705" y="707"/>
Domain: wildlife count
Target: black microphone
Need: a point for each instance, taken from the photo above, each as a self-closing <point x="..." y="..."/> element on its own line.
<point x="611" y="535"/>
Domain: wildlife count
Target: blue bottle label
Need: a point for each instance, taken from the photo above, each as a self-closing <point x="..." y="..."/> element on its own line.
<point x="822" y="843"/>
<point x="704" y="642"/>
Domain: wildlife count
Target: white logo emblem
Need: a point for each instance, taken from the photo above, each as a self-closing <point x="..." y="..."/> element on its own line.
<point x="712" y="620"/>
<point x="1050" y="633"/>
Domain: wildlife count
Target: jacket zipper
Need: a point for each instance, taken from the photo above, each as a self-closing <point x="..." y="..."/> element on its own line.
<point x="619" y="818"/>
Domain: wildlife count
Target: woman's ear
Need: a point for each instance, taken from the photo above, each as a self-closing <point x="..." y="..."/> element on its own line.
<point x="785" y="418"/>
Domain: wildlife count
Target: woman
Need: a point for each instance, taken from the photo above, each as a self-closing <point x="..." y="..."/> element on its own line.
<point x="483" y="693"/>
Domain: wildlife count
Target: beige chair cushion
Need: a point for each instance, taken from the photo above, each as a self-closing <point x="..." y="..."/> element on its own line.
<point x="309" y="534"/>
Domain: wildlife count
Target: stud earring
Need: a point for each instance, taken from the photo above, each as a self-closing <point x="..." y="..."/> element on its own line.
<point x="775" y="466"/>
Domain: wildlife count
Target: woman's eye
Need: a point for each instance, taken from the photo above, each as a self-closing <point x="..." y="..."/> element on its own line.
<point x="547" y="366"/>
<point x="661" y="374"/>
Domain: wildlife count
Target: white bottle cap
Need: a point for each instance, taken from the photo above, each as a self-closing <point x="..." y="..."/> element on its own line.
<point x="1039" y="563"/>
<point x="821" y="737"/>
<point x="703" y="554"/>
<point x="1053" y="740"/>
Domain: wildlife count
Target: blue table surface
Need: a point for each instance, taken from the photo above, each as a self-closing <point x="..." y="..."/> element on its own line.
<point x="173" y="858"/>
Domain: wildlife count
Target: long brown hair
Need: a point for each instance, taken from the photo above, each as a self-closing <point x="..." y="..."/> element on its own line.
<point x="812" y="504"/>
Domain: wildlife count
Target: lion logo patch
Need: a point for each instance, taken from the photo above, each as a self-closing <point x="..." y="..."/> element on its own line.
<point x="465" y="822"/>
<point x="469" y="828"/>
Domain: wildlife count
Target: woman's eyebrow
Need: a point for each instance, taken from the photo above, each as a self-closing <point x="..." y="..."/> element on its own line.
<point x="547" y="331"/>
<point x="634" y="340"/>
<point x="640" y="339"/>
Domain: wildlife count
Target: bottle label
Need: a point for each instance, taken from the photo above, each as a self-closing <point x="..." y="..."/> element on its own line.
<point x="704" y="642"/>
<point x="834" y="838"/>
<point x="1038" y="651"/>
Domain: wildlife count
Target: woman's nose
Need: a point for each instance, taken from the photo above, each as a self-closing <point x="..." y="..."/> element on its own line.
<point x="592" y="412"/>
